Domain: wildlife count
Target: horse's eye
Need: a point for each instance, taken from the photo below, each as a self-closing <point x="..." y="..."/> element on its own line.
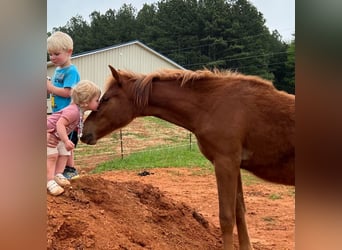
<point x="104" y="99"/>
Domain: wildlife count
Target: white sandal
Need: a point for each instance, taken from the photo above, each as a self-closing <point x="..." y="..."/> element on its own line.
<point x="61" y="180"/>
<point x="54" y="188"/>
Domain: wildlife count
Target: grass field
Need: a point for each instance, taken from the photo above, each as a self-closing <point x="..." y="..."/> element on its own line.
<point x="148" y="143"/>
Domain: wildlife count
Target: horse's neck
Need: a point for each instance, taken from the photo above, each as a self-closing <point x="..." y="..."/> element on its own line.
<point x="173" y="104"/>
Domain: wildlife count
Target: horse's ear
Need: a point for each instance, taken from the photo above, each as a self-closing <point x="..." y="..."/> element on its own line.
<point x="114" y="73"/>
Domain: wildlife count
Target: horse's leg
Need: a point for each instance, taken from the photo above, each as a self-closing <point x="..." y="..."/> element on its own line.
<point x="241" y="224"/>
<point x="227" y="174"/>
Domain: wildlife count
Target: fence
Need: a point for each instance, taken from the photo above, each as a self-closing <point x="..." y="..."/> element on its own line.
<point x="144" y="133"/>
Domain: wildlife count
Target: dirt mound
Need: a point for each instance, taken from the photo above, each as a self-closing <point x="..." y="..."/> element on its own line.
<point x="173" y="208"/>
<point x="97" y="213"/>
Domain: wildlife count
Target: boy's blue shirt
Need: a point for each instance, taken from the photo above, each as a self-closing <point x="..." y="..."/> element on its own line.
<point x="66" y="77"/>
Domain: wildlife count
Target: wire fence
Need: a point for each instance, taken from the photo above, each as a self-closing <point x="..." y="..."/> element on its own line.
<point x="142" y="134"/>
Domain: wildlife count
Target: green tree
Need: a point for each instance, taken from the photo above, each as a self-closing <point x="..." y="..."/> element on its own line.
<point x="182" y="19"/>
<point x="125" y="23"/>
<point x="247" y="47"/>
<point x="277" y="58"/>
<point x="79" y="30"/>
<point x="146" y="18"/>
<point x="289" y="78"/>
<point x="215" y="31"/>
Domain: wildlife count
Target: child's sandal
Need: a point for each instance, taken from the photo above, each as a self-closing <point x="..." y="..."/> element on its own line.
<point x="61" y="180"/>
<point x="54" y="188"/>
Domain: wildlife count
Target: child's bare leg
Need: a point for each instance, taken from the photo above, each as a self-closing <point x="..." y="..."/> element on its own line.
<point x="60" y="165"/>
<point x="59" y="178"/>
<point x="70" y="161"/>
<point x="51" y="166"/>
<point x="52" y="186"/>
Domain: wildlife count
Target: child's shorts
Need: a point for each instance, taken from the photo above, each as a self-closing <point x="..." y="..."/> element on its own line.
<point x="60" y="149"/>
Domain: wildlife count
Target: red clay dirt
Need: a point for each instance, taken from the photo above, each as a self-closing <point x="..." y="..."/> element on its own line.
<point x="172" y="208"/>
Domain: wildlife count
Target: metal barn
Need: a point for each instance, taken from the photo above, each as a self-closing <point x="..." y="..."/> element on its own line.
<point x="133" y="56"/>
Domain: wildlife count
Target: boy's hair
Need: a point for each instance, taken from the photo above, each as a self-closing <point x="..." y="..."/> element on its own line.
<point x="59" y="41"/>
<point x="84" y="91"/>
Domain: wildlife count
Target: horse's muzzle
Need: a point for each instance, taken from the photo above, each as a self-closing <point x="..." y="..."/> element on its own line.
<point x="88" y="139"/>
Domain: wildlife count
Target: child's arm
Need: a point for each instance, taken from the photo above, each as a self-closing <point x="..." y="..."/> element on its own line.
<point x="62" y="133"/>
<point x="64" y="92"/>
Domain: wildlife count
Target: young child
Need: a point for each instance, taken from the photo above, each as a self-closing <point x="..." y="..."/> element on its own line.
<point x="66" y="76"/>
<point x="85" y="96"/>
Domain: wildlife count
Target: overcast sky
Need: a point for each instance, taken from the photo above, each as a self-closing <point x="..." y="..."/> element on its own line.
<point x="279" y="14"/>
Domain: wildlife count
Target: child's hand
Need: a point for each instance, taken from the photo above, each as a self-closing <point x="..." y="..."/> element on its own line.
<point x="49" y="86"/>
<point x="69" y="145"/>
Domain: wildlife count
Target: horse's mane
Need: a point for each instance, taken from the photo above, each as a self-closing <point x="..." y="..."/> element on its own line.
<point x="143" y="82"/>
<point x="186" y="76"/>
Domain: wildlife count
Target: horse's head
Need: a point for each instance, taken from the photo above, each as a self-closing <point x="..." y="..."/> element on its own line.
<point x="116" y="110"/>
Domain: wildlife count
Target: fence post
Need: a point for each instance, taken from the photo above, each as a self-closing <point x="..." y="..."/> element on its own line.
<point x="121" y="144"/>
<point x="190" y="140"/>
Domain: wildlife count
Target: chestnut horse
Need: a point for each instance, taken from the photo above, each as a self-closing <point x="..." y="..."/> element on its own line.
<point x="239" y="121"/>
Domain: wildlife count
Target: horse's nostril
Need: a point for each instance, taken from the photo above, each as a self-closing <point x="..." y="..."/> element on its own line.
<point x="84" y="138"/>
<point x="88" y="139"/>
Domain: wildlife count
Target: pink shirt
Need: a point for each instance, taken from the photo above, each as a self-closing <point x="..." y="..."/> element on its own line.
<point x="71" y="113"/>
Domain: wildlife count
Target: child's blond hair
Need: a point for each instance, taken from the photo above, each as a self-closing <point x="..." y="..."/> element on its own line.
<point x="59" y="41"/>
<point x="84" y="91"/>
